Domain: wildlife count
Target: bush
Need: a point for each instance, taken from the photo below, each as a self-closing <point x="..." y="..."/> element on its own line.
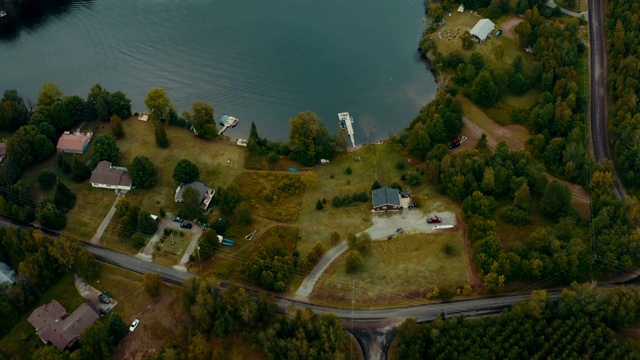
<point x="449" y="249"/>
<point x="414" y="179"/>
<point x="354" y="261"/>
<point x="335" y="238"/>
<point x="348" y="171"/>
<point x="47" y="178"/>
<point x="162" y="212"/>
<point x="400" y="165"/>
<point x="376" y="185"/>
<point x="319" y="205"/>
<point x="167" y="232"/>
<point x="515" y="216"/>
<point x="346" y="200"/>
<point x="138" y="241"/>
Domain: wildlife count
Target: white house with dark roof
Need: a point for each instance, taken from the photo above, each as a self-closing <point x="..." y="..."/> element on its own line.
<point x="107" y="176"/>
<point x="482" y="29"/>
<point x="205" y="194"/>
<point x="386" y="199"/>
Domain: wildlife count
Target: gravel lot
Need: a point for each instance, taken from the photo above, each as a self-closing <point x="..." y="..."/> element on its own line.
<point x="412" y="222"/>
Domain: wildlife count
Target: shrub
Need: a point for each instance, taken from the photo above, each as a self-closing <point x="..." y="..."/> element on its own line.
<point x="354" y="261"/>
<point x="449" y="249"/>
<point x="335" y="238"/>
<point x="167" y="232"/>
<point x="138" y="241"/>
<point x="515" y="216"/>
<point x="162" y="212"/>
<point x="319" y="205"/>
<point x="348" y="171"/>
<point x="376" y="185"/>
<point x="47" y="178"/>
<point x="400" y="165"/>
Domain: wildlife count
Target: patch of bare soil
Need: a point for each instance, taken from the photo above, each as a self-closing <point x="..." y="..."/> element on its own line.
<point x="495" y="134"/>
<point x="158" y="324"/>
<point x="509" y="25"/>
<point x="474" y="279"/>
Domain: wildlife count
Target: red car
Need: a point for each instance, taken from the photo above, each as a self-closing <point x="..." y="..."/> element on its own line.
<point x="434" y="220"/>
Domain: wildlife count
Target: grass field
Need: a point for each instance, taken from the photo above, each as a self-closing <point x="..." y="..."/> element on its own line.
<point x="22" y="340"/>
<point x="465" y="21"/>
<point x="275" y="196"/>
<point x="220" y="162"/>
<point x="377" y="162"/>
<point x="400" y="271"/>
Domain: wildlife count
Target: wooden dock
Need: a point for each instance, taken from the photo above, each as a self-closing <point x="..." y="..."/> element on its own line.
<point x="226" y="122"/>
<point x="346" y="122"/>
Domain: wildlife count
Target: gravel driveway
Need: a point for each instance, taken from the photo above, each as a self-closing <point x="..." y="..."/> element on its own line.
<point x="412" y="222"/>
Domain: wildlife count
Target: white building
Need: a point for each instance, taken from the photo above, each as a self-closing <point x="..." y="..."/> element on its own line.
<point x="483" y="28"/>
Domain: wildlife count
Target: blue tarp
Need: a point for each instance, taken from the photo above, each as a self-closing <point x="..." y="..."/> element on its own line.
<point x="293" y="169"/>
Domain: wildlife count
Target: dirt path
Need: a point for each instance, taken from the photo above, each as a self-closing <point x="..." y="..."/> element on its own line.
<point x="509" y="25"/>
<point x="310" y="281"/>
<point x="474" y="279"/>
<point x="495" y="134"/>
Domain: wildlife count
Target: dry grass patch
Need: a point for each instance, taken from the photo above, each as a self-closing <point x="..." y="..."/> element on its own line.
<point x="399" y="271"/>
<point x="275" y="196"/>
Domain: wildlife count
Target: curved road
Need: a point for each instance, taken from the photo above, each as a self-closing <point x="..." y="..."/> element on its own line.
<point x="598" y="110"/>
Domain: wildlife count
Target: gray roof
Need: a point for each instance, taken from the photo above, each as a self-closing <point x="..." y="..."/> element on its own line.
<point x="200" y="187"/>
<point x="106" y="174"/>
<point x="483" y="28"/>
<point x="52" y="324"/>
<point x="385" y="196"/>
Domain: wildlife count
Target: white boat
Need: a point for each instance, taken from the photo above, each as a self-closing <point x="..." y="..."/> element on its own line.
<point x="3" y="13"/>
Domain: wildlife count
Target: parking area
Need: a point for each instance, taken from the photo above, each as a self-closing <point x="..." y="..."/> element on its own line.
<point x="91" y="296"/>
<point x="411" y="222"/>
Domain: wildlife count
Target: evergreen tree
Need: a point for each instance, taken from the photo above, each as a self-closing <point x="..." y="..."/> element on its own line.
<point x="162" y="140"/>
<point x="63" y="198"/>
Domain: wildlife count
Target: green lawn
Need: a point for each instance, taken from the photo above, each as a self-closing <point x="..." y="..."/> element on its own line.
<point x="220" y="162"/>
<point x="399" y="271"/>
<point x="22" y="340"/>
<point x="377" y="162"/>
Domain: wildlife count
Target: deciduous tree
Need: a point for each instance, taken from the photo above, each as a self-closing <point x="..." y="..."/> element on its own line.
<point x="185" y="172"/>
<point x="143" y="172"/>
<point x="152" y="283"/>
<point x="158" y="104"/>
<point x="105" y="148"/>
<point x="115" y="125"/>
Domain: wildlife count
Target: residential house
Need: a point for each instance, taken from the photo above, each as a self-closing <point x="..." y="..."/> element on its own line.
<point x="76" y="142"/>
<point x="54" y="326"/>
<point x="110" y="177"/>
<point x="482" y="29"/>
<point x="386" y="199"/>
<point x="205" y="194"/>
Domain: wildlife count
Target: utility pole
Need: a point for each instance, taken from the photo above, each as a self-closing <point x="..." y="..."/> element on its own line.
<point x="353" y="300"/>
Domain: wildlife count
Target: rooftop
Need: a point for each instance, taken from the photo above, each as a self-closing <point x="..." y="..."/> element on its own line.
<point x="482" y="29"/>
<point x="53" y="325"/>
<point x="104" y="173"/>
<point x="385" y="196"/>
<point x="72" y="140"/>
<point x="205" y="193"/>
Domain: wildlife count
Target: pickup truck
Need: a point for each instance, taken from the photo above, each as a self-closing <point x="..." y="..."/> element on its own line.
<point x="434" y="219"/>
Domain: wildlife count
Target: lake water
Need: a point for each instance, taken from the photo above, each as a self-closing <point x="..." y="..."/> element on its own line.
<point x="259" y="60"/>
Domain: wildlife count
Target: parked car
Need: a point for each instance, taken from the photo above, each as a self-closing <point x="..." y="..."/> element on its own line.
<point x="434" y="219"/>
<point x="454" y="144"/>
<point x="498" y="33"/>
<point x="178" y="219"/>
<point x="104" y="299"/>
<point x="186" y="225"/>
<point x="134" y="325"/>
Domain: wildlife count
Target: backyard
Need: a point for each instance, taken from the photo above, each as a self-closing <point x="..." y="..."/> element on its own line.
<point x="397" y="272"/>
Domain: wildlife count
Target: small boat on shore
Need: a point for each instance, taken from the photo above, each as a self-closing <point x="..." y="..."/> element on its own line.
<point x="3" y="13"/>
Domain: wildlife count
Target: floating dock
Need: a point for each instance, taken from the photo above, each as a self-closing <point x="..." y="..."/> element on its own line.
<point x="227" y="121"/>
<point x="346" y="122"/>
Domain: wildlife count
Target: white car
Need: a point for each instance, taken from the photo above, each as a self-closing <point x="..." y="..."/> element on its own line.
<point x="134" y="325"/>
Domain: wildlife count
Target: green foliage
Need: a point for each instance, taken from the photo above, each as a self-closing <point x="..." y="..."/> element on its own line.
<point x="556" y="201"/>
<point x="449" y="249"/>
<point x="162" y="140"/>
<point x="346" y="200"/>
<point x="242" y="214"/>
<point x="202" y="119"/>
<point x="47" y="178"/>
<point x="522" y="199"/>
<point x="360" y="242"/>
<point x="51" y="217"/>
<point x="186" y="172"/>
<point x="515" y="215"/>
<point x="348" y="170"/>
<point x="467" y="41"/>
<point x="115" y="124"/>
<point x="376" y="185"/>
<point x="191" y="208"/>
<point x="335" y="238"/>
<point x="138" y="241"/>
<point x="228" y="199"/>
<point x="143" y="172"/>
<point x="63" y="198"/>
<point x="151" y="282"/>
<point x="478" y="204"/>
<point x="159" y="105"/>
<point x="79" y="170"/>
<point x="354" y="261"/>
<point x="105" y="148"/>
<point x="319" y="205"/>
<point x="310" y="141"/>
<point x="117" y="328"/>
<point x="49" y="94"/>
<point x="13" y="112"/>
<point x="484" y="91"/>
<point x="146" y="224"/>
<point x="207" y="243"/>
<point x="27" y="146"/>
<point x="316" y="253"/>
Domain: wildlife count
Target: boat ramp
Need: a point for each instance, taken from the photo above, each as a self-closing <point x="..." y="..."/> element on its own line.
<point x="227" y="121"/>
<point x="346" y="122"/>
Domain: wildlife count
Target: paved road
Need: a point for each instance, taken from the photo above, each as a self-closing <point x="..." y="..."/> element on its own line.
<point x="310" y="281"/>
<point x="598" y="64"/>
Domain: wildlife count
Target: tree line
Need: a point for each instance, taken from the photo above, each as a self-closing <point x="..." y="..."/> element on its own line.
<point x="213" y="311"/>
<point x="511" y="187"/>
<point x="581" y="323"/>
<point x="40" y="261"/>
<point x="623" y="84"/>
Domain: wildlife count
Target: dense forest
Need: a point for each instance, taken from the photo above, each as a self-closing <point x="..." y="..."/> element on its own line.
<point x="581" y="323"/>
<point x="623" y="82"/>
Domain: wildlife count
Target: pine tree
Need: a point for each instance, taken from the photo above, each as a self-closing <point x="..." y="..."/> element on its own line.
<point x="162" y="141"/>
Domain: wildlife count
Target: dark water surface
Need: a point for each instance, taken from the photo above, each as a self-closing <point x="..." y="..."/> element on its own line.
<point x="260" y="60"/>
